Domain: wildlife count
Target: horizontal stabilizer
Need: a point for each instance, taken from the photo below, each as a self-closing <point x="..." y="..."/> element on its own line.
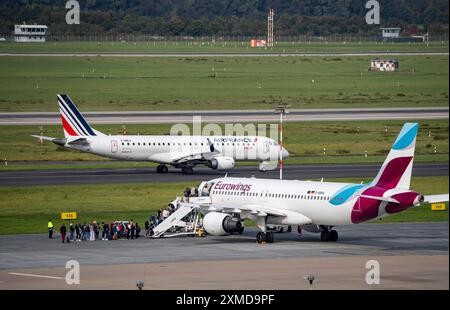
<point x="386" y="199"/>
<point x="436" y="198"/>
<point x="57" y="141"/>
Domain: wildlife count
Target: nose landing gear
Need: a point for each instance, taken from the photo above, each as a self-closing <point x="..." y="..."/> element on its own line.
<point x="162" y="169"/>
<point x="187" y="170"/>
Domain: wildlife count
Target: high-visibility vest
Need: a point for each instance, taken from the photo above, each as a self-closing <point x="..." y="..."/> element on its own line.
<point x="50" y="225"/>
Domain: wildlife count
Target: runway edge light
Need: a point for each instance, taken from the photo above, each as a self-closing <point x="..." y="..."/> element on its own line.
<point x="68" y="215"/>
<point x="438" y="207"/>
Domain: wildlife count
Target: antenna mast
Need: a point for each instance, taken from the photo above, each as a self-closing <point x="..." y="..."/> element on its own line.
<point x="270" y="25"/>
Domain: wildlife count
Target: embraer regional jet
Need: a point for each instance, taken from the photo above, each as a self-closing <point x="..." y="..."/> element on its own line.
<point x="185" y="152"/>
<point x="313" y="206"/>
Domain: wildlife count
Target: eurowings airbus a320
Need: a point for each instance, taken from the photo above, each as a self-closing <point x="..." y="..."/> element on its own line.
<point x="313" y="206"/>
<point x="184" y="152"/>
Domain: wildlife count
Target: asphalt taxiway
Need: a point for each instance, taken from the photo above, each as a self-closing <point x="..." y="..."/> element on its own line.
<point x="411" y="256"/>
<point x="190" y="54"/>
<point x="229" y="116"/>
<point x="147" y="175"/>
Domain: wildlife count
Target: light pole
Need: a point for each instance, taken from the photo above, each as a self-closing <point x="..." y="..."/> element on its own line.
<point x="281" y="108"/>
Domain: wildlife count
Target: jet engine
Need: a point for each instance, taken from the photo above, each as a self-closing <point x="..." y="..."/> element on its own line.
<point x="222" y="163"/>
<point x="221" y="224"/>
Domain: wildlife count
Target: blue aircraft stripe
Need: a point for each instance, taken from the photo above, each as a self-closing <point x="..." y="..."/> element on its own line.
<point x="73" y="118"/>
<point x="406" y="136"/>
<point x="70" y="121"/>
<point x="345" y="193"/>
<point x="78" y="114"/>
<point x="64" y="112"/>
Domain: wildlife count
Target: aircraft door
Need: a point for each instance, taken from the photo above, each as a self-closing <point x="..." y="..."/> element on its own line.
<point x="266" y="147"/>
<point x="114" y="146"/>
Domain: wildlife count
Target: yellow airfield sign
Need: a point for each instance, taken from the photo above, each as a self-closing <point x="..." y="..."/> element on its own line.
<point x="68" y="215"/>
<point x="438" y="207"/>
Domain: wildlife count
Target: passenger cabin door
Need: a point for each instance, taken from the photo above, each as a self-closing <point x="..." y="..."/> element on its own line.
<point x="114" y="146"/>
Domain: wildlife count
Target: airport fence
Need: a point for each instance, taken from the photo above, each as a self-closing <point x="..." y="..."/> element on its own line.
<point x="219" y="39"/>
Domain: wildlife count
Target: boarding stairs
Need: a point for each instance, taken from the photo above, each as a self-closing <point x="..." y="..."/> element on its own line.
<point x="176" y="225"/>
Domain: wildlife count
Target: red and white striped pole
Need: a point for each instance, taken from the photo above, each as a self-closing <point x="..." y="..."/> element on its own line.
<point x="281" y="145"/>
<point x="282" y="109"/>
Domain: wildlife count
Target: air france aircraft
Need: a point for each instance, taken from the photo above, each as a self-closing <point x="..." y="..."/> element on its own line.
<point x="185" y="152"/>
<point x="314" y="206"/>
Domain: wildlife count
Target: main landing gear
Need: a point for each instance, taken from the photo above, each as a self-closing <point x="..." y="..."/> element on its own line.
<point x="328" y="234"/>
<point x="263" y="236"/>
<point x="266" y="237"/>
<point x="162" y="169"/>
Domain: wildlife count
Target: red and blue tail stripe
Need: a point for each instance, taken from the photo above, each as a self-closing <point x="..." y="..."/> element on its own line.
<point x="74" y="123"/>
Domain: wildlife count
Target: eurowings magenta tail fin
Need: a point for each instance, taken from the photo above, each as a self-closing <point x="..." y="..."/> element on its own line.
<point x="397" y="168"/>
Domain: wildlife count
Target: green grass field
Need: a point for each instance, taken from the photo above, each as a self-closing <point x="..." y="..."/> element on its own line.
<point x="305" y="142"/>
<point x="27" y="209"/>
<point x="193" y="83"/>
<point x="221" y="47"/>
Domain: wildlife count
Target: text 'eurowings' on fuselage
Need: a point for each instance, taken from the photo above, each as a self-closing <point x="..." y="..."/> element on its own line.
<point x="313" y="206"/>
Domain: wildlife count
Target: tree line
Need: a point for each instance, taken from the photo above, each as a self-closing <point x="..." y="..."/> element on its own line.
<point x="224" y="17"/>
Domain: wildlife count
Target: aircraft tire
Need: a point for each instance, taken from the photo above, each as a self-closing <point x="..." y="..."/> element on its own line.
<point x="162" y="169"/>
<point x="333" y="235"/>
<point x="324" y="235"/>
<point x="260" y="237"/>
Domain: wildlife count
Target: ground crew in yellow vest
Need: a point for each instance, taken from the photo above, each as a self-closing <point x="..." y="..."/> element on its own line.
<point x="50" y="229"/>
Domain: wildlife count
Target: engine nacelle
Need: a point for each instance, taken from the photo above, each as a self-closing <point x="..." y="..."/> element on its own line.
<point x="221" y="224"/>
<point x="222" y="163"/>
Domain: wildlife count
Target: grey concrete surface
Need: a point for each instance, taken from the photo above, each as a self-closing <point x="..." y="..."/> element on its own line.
<point x="36" y="251"/>
<point x="144" y="175"/>
<point x="229" y="116"/>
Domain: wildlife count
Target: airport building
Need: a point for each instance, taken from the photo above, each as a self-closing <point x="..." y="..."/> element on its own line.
<point x="392" y="34"/>
<point x="30" y="33"/>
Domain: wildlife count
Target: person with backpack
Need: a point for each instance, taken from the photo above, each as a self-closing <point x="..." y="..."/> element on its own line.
<point x="63" y="231"/>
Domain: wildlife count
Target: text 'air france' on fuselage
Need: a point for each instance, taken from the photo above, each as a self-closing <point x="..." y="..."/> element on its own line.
<point x="184" y="152"/>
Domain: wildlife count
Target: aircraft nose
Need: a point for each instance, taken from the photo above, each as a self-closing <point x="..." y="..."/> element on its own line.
<point x="284" y="153"/>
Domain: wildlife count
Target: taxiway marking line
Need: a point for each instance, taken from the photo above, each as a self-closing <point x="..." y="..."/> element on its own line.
<point x="35" y="275"/>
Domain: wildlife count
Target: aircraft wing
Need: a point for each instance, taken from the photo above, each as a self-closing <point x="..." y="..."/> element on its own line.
<point x="186" y="157"/>
<point x="436" y="198"/>
<point x="258" y="210"/>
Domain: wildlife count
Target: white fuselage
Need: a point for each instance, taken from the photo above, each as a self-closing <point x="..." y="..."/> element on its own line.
<point x="167" y="149"/>
<point x="310" y="199"/>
